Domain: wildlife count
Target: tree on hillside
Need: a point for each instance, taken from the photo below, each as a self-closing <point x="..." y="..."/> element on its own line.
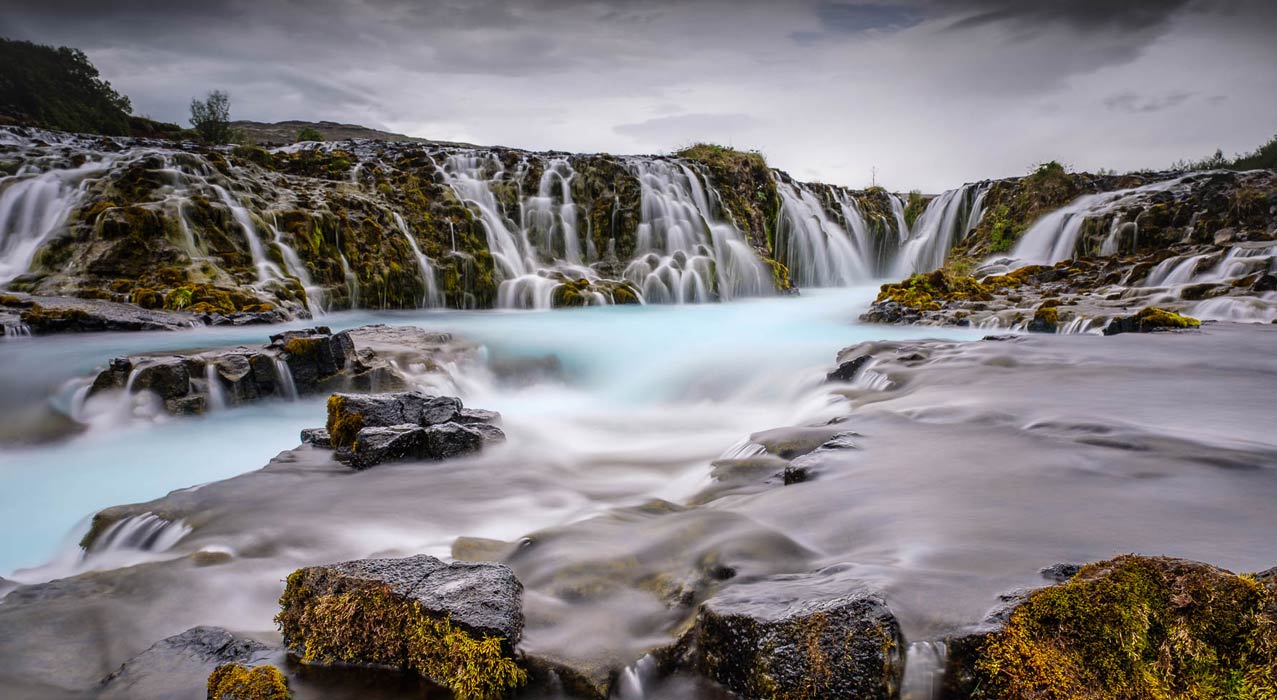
<point x="211" y="117"/>
<point x="58" y="88"/>
<point x="309" y="133"/>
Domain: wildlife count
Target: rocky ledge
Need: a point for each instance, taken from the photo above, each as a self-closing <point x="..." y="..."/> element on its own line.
<point x="180" y="667"/>
<point x="368" y="429"/>
<point x="455" y="624"/>
<point x="292" y="364"/>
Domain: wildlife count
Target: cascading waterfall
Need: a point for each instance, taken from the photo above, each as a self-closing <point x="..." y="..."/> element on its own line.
<point x="432" y="298"/>
<point x="685" y="252"/>
<point x="818" y="251"/>
<point x="266" y="270"/>
<point x="1054" y="237"/>
<point x="944" y="223"/>
<point x="296" y="268"/>
<point x="33" y="208"/>
<point x="216" y="392"/>
<point x="284" y="377"/>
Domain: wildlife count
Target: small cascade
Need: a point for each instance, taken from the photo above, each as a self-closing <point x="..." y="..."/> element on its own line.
<point x="551" y="227"/>
<point x="432" y="298"/>
<point x="944" y="223"/>
<point x="635" y="680"/>
<point x="817" y="250"/>
<point x="16" y="330"/>
<point x="924" y="671"/>
<point x="33" y="208"/>
<point x="1054" y="237"/>
<point x="296" y="268"/>
<point x="266" y="270"/>
<point x="147" y="532"/>
<point x="284" y="377"/>
<point x="352" y="281"/>
<point x="216" y="392"/>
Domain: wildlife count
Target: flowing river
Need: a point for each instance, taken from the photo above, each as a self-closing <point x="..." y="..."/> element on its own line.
<point x="975" y="463"/>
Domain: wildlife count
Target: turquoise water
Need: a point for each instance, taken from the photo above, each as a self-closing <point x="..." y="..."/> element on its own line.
<point x="636" y="382"/>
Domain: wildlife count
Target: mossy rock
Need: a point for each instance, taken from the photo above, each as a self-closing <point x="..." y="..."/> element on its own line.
<point x="236" y="682"/>
<point x="1151" y="319"/>
<point x="454" y="624"/>
<point x="929" y="291"/>
<point x="1136" y="628"/>
<point x="745" y="183"/>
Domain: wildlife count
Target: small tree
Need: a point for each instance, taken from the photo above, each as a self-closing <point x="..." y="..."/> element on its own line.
<point x="212" y="117"/>
<point x="309" y="133"/>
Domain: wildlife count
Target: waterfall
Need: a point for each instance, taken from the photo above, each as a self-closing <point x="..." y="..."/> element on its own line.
<point x="266" y="270"/>
<point x="35" y="207"/>
<point x="296" y="268"/>
<point x="216" y="392"/>
<point x="924" y="671"/>
<point x="147" y="532"/>
<point x="945" y="222"/>
<point x="352" y="281"/>
<point x="1054" y="237"/>
<point x="634" y="680"/>
<point x="16" y="330"/>
<point x="817" y="250"/>
<point x="284" y="376"/>
<point x="432" y="297"/>
<point x="685" y="252"/>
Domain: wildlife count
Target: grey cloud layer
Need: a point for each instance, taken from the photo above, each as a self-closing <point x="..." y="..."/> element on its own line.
<point x="930" y="93"/>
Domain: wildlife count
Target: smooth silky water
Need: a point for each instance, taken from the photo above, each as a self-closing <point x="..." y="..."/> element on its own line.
<point x="977" y="464"/>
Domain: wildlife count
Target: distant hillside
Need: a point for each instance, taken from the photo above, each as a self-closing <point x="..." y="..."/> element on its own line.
<point x="286" y="132"/>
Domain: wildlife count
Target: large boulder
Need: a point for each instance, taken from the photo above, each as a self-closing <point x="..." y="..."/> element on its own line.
<point x="1149" y="320"/>
<point x="455" y="624"/>
<point x="314" y="354"/>
<point x="781" y="638"/>
<point x="1132" y="627"/>
<point x="178" y="667"/>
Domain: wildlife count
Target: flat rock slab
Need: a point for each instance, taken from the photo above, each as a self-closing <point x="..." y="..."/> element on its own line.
<point x="785" y="637"/>
<point x="46" y="315"/>
<point x="177" y="668"/>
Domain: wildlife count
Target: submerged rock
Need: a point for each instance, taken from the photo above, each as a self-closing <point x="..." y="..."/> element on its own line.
<point x="1131" y="627"/>
<point x="1149" y="320"/>
<point x="318" y="437"/>
<point x="848" y="370"/>
<point x="455" y="624"/>
<point x="778" y="639"/>
<point x="179" y="666"/>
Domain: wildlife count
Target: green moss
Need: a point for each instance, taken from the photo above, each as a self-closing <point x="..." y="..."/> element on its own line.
<point x="178" y="299"/>
<point x="745" y="183"/>
<point x="146" y="298"/>
<point x="343" y="426"/>
<point x="38" y="316"/>
<point x="303" y="347"/>
<point x="369" y="624"/>
<point x="236" y="682"/>
<point x="1138" y="628"/>
<point x="927" y="291"/>
<point x="1153" y="317"/>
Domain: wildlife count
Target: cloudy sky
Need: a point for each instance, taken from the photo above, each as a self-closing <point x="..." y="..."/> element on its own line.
<point x="917" y="93"/>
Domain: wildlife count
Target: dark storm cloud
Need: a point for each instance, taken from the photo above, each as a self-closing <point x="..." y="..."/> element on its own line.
<point x="931" y="92"/>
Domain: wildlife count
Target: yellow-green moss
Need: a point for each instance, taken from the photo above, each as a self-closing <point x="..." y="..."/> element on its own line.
<point x="1138" y="628"/>
<point x="146" y="298"/>
<point x="1153" y="317"/>
<point x="236" y="682"/>
<point x="303" y="347"/>
<point x="926" y="291"/>
<point x="342" y="425"/>
<point x="368" y="624"/>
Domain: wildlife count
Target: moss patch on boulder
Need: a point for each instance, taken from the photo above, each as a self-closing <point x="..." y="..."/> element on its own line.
<point x="1151" y="319"/>
<point x="236" y="682"/>
<point x="928" y="291"/>
<point x="1145" y="628"/>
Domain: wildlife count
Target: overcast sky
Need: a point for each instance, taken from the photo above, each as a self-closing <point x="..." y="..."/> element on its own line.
<point x="929" y="94"/>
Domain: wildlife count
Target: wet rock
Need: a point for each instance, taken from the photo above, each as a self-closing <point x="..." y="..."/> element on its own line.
<point x="314" y="354"/>
<point x="1059" y="573"/>
<point x="374" y="446"/>
<point x="48" y="315"/>
<point x="847" y="371"/>
<point x="477" y="415"/>
<point x="1127" y="627"/>
<point x="167" y="377"/>
<point x="1149" y="320"/>
<point x="316" y="436"/>
<point x="350" y="413"/>
<point x="1265" y="283"/>
<point x="454" y="440"/>
<point x="179" y="666"/>
<point x="779" y="639"/>
<point x="456" y="624"/>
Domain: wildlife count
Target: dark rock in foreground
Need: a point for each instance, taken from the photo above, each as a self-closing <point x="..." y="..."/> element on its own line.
<point x="778" y="639"/>
<point x="1132" y="627"/>
<point x="370" y="429"/>
<point x="1149" y="320"/>
<point x="455" y="624"/>
<point x="179" y="666"/>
